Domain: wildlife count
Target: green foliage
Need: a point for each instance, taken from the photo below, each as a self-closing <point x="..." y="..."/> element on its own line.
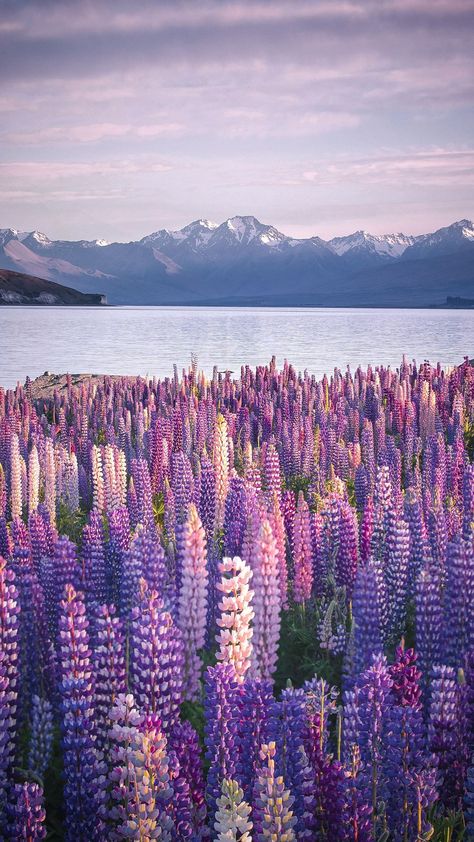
<point x="194" y="713"/>
<point x="298" y="483"/>
<point x="300" y="655"/>
<point x="101" y="438"/>
<point x="159" y="509"/>
<point x="469" y="439"/>
<point x="71" y="523"/>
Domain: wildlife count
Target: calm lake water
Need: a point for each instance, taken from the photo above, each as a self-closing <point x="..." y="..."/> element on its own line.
<point x="148" y="340"/>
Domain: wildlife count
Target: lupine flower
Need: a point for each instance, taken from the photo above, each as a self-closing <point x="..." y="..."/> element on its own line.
<point x="235" y="633"/>
<point x="232" y="815"/>
<point x="272" y="814"/>
<point x="108" y="666"/>
<point x="220" y="729"/>
<point x="302" y="550"/>
<point x="156" y="658"/>
<point x="41" y="737"/>
<point x="8" y="674"/>
<point x="266" y="603"/>
<point x="192" y="601"/>
<point x="139" y="775"/>
<point x="27" y="813"/>
<point x="83" y="770"/>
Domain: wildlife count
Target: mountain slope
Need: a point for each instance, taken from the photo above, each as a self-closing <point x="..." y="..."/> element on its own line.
<point x="245" y="259"/>
<point x="18" y="288"/>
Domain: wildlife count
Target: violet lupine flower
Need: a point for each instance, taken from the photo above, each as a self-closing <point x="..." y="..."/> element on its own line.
<point x="366" y="530"/>
<point x="366" y="713"/>
<point x="234" y="637"/>
<point x="256" y="725"/>
<point x="406" y="677"/>
<point x="272" y="814"/>
<point x="119" y="543"/>
<point x="94" y="572"/>
<point x="469" y="803"/>
<point x="357" y="809"/>
<point x="446" y="735"/>
<point x="411" y="774"/>
<point x="184" y="741"/>
<point x="108" y="666"/>
<point x="232" y="822"/>
<point x="429" y="618"/>
<point x="27" y="813"/>
<point x="8" y="674"/>
<point x="272" y="473"/>
<point x="207" y="498"/>
<point x="396" y="576"/>
<point x="348" y="550"/>
<point x="83" y="769"/>
<point x="41" y="735"/>
<point x="235" y="517"/>
<point x="179" y="808"/>
<point x="302" y="553"/>
<point x="266" y="604"/>
<point x="156" y="658"/>
<point x="366" y="632"/>
<point x="138" y="775"/>
<point x="458" y="601"/>
<point x="220" y="731"/>
<point x="192" y="608"/>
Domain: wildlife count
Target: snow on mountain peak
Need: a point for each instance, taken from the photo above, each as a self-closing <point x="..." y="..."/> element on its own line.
<point x="388" y="245"/>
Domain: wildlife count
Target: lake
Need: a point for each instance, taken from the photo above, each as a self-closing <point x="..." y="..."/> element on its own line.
<point x="148" y="340"/>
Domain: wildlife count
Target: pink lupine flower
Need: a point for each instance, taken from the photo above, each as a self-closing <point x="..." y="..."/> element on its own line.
<point x="193" y="600"/>
<point x="235" y="636"/>
<point x="266" y="627"/>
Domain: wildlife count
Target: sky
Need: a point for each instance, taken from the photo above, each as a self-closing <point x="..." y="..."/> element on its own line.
<point x="317" y="116"/>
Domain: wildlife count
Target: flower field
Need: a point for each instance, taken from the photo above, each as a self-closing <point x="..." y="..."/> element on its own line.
<point x="239" y="608"/>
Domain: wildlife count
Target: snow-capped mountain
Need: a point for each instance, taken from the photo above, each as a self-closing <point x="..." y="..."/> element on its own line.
<point x="385" y="245"/>
<point x="243" y="258"/>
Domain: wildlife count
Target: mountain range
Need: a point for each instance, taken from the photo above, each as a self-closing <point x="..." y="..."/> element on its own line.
<point x="244" y="262"/>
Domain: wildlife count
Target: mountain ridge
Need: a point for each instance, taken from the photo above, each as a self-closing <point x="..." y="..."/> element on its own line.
<point x="244" y="257"/>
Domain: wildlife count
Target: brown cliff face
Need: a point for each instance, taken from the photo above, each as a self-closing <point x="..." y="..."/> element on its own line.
<point x="18" y="288"/>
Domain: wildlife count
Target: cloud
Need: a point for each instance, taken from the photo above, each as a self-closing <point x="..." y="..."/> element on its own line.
<point x="92" y="133"/>
<point x="430" y="167"/>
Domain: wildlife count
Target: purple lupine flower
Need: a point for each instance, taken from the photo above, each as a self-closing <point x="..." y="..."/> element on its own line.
<point x="108" y="666"/>
<point x="156" y="658"/>
<point x="396" y="576"/>
<point x="41" y="736"/>
<point x="406" y="677"/>
<point x="8" y="675"/>
<point x="302" y="553"/>
<point x="118" y="544"/>
<point x="429" y="618"/>
<point x="83" y="769"/>
<point x="366" y="631"/>
<point x="256" y="725"/>
<point x="27" y="813"/>
<point x="220" y="736"/>
<point x="184" y="741"/>
<point x="94" y="574"/>
<point x="235" y="516"/>
<point x="458" y="601"/>
<point x="446" y="735"/>
<point x="366" y="713"/>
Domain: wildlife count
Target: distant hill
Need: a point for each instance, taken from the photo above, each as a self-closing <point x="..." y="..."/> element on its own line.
<point x="18" y="288"/>
<point x="243" y="261"/>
